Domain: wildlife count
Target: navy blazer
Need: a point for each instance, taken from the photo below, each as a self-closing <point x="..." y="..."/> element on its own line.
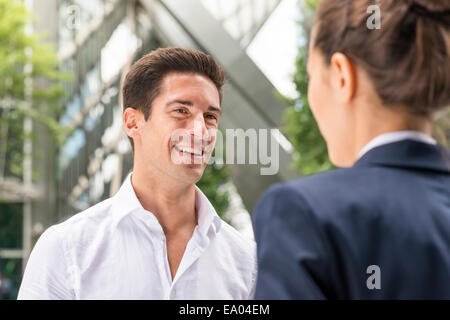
<point x="377" y="230"/>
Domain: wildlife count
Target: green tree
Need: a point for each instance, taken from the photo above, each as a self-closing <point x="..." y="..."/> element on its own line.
<point x="29" y="88"/>
<point x="212" y="185"/>
<point x="213" y="179"/>
<point x="310" y="150"/>
<point x="24" y="56"/>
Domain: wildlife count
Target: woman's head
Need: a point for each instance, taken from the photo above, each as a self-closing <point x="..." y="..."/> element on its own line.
<point x="359" y="74"/>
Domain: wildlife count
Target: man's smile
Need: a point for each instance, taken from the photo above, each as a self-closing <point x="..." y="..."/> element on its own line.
<point x="191" y="151"/>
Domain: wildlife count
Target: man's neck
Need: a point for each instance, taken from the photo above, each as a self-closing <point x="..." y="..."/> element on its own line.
<point x="171" y="203"/>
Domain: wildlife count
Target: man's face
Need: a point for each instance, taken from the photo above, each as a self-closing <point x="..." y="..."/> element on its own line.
<point x="178" y="138"/>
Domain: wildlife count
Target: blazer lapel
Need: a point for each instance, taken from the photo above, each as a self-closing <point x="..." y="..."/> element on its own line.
<point x="408" y="154"/>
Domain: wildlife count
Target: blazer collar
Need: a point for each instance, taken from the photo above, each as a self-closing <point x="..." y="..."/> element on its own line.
<point x="408" y="154"/>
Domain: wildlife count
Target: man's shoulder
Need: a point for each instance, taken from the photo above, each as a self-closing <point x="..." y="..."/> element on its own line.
<point x="236" y="241"/>
<point x="235" y="236"/>
<point x="92" y="215"/>
<point x="85" y="223"/>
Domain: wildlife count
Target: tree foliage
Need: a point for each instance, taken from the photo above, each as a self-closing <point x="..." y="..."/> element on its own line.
<point x="26" y="61"/>
<point x="310" y="150"/>
<point x="29" y="88"/>
<point x="213" y="178"/>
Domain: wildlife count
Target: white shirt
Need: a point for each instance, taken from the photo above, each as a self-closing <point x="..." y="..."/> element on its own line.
<point x="396" y="136"/>
<point x="116" y="250"/>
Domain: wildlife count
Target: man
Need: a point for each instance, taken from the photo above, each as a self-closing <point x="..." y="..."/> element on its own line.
<point x="159" y="237"/>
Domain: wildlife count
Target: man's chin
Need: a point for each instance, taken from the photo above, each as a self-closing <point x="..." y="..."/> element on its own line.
<point x="189" y="168"/>
<point x="190" y="172"/>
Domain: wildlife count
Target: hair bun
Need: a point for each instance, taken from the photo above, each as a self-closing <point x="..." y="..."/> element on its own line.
<point x="433" y="6"/>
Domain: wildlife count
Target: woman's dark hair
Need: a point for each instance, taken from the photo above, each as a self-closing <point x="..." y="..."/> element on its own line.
<point x="407" y="59"/>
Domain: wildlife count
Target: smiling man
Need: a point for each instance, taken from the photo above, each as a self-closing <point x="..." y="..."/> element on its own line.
<point x="159" y="237"/>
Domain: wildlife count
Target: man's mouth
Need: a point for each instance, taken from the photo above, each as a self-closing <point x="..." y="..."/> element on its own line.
<point x="190" y="151"/>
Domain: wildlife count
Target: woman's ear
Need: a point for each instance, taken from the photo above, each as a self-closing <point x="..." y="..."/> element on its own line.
<point x="131" y="122"/>
<point x="344" y="76"/>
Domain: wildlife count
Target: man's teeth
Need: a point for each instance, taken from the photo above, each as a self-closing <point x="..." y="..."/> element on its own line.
<point x="190" y="150"/>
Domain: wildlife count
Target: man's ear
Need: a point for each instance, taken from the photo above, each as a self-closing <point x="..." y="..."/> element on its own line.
<point x="131" y="122"/>
<point x="344" y="76"/>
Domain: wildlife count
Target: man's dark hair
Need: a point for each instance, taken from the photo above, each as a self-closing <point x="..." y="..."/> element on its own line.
<point x="143" y="81"/>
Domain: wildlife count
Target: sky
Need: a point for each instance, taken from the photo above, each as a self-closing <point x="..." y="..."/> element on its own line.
<point x="275" y="47"/>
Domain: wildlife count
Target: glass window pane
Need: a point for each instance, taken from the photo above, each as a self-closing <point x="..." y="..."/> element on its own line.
<point x="11" y="217"/>
<point x="10" y="278"/>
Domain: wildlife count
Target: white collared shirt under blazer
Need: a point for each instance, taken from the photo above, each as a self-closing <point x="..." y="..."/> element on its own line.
<point x="117" y="250"/>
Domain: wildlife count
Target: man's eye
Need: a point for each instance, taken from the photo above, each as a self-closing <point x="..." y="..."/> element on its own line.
<point x="180" y="111"/>
<point x="210" y="116"/>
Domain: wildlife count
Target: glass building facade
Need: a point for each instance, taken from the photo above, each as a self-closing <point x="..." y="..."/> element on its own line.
<point x="97" y="41"/>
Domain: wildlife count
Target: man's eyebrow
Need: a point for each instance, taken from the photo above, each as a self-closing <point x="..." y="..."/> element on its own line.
<point x="185" y="102"/>
<point x="211" y="108"/>
<point x="190" y="104"/>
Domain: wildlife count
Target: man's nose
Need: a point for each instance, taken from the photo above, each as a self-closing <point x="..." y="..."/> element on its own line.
<point x="198" y="129"/>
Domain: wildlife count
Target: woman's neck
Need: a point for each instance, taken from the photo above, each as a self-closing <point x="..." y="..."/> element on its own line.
<point x="380" y="120"/>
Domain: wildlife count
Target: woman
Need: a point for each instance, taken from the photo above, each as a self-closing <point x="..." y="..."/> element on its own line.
<point x="379" y="227"/>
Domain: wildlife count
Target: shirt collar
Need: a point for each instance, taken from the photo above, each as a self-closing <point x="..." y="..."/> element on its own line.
<point x="206" y="214"/>
<point x="394" y="137"/>
<point x="126" y="202"/>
